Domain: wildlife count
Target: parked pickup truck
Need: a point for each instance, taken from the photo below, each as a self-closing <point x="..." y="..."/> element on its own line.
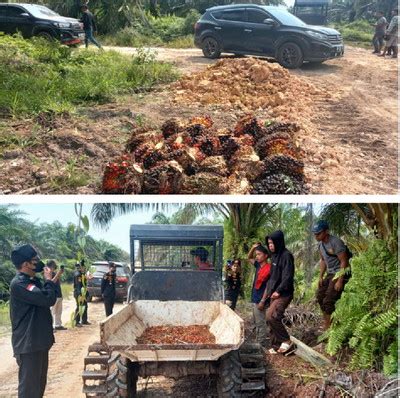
<point x="37" y="20"/>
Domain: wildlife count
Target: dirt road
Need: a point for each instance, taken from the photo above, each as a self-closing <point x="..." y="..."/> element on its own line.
<point x="350" y="145"/>
<point x="66" y="356"/>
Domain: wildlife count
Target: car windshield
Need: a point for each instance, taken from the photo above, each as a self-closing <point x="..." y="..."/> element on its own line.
<point x="41" y="11"/>
<point x="285" y="17"/>
<point x="102" y="269"/>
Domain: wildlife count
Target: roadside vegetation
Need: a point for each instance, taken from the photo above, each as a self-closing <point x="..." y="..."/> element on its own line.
<point x="358" y="33"/>
<point x="37" y="76"/>
<point x="164" y="31"/>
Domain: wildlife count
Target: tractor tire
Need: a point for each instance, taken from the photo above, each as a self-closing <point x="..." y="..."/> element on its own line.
<point x="229" y="382"/>
<point x="211" y="48"/>
<point x="110" y="374"/>
<point x="290" y="55"/>
<point x="241" y="373"/>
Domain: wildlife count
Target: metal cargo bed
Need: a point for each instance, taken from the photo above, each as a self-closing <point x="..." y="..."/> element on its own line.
<point x="121" y="330"/>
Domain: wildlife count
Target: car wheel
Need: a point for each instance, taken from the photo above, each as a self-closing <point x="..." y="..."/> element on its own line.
<point x="211" y="48"/>
<point x="45" y="35"/>
<point x="290" y="56"/>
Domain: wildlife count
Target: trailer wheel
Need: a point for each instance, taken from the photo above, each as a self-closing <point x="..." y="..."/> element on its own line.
<point x="230" y="376"/>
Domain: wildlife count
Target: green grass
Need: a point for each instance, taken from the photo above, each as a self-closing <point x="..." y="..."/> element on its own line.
<point x="5" y="323"/>
<point x="72" y="176"/>
<point x="165" y="31"/>
<point x="358" y="33"/>
<point x="67" y="290"/>
<point x="37" y="76"/>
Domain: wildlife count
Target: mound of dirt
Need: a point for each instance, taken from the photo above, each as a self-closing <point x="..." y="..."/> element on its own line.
<point x="195" y="158"/>
<point x="247" y="85"/>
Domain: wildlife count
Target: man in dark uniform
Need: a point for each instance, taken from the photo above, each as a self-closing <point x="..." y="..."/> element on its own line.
<point x="31" y="320"/>
<point x="108" y="288"/>
<point x="81" y="294"/>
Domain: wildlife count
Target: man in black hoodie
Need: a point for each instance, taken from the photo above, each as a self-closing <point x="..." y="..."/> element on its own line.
<point x="280" y="288"/>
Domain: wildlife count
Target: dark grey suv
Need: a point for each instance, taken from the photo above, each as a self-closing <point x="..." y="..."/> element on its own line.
<point x="37" y="20"/>
<point x="269" y="31"/>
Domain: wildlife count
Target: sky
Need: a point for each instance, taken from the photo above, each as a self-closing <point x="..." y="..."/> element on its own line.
<point x="118" y="233"/>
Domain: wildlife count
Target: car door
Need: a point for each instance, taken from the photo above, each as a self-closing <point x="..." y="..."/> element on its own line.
<point x="260" y="35"/>
<point x="19" y="20"/>
<point x="230" y="28"/>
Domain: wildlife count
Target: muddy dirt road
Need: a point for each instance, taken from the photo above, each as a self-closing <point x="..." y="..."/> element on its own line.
<point x="66" y="356"/>
<point x="350" y="145"/>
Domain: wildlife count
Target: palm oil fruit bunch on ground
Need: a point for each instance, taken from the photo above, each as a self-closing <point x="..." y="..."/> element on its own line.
<point x="197" y="158"/>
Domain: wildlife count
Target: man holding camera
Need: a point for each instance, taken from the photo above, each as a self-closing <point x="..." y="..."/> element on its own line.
<point x="56" y="310"/>
<point x="108" y="288"/>
<point x="32" y="325"/>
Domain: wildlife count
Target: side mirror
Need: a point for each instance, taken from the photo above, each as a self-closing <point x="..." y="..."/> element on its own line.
<point x="269" y="22"/>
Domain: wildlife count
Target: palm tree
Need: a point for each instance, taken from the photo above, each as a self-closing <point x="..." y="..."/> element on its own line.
<point x="346" y="218"/>
<point x="12" y="229"/>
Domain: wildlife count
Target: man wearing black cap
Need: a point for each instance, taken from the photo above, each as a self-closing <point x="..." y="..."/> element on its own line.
<point x="108" y="288"/>
<point x="81" y="294"/>
<point x="31" y="320"/>
<point x="200" y="255"/>
<point x="334" y="256"/>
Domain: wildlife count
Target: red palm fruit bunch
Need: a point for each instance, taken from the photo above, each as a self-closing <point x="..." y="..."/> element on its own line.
<point x="122" y="176"/>
<point x="196" y="158"/>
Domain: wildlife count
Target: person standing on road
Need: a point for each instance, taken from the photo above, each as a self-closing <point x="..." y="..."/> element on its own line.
<point x="233" y="283"/>
<point x="56" y="310"/>
<point x="392" y="35"/>
<point x="81" y="294"/>
<point x="108" y="288"/>
<point x="380" y="31"/>
<point x="32" y="325"/>
<point x="259" y="256"/>
<point x="280" y="289"/>
<point x="89" y="26"/>
<point x="334" y="257"/>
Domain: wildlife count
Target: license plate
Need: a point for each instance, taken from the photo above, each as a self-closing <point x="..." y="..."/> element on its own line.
<point x="81" y="36"/>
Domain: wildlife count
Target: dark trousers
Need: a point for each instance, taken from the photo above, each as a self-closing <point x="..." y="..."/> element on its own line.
<point x="378" y="42"/>
<point x="90" y="38"/>
<point x="275" y="314"/>
<point x="32" y="374"/>
<point x="84" y="315"/>
<point x="327" y="295"/>
<point x="109" y="305"/>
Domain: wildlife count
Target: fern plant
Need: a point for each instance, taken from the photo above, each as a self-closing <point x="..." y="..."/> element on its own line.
<point x="366" y="316"/>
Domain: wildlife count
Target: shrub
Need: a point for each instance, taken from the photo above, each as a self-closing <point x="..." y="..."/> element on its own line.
<point x="365" y="318"/>
<point x="190" y="20"/>
<point x="357" y="31"/>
